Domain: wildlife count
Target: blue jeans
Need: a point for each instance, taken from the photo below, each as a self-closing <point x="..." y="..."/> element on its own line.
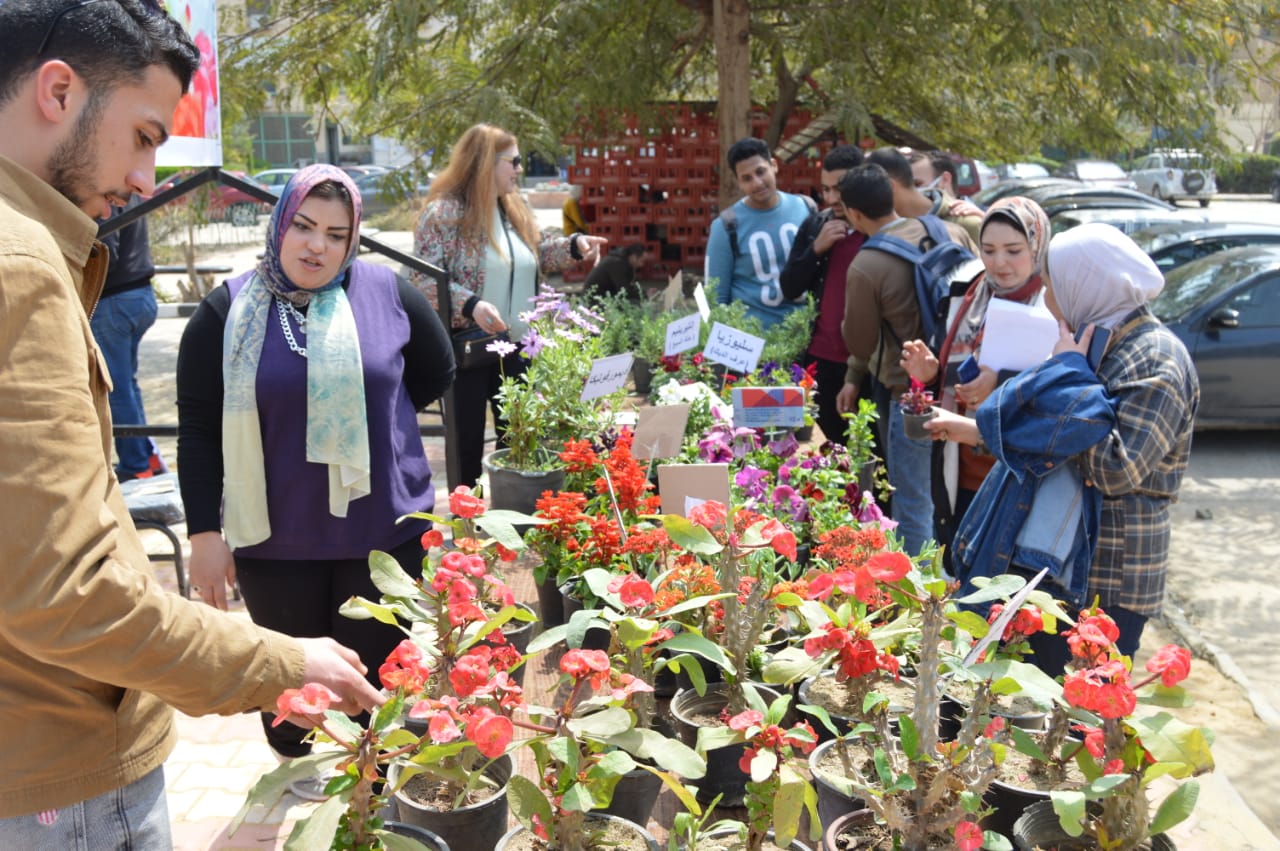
<point x="910" y="469"/>
<point x="133" y="818"/>
<point x="118" y="325"/>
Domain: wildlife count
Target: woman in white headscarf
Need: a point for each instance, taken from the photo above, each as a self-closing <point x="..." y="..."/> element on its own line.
<point x="1099" y="278"/>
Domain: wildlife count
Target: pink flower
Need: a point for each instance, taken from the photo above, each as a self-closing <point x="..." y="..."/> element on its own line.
<point x="442" y="729"/>
<point x="465" y="504"/>
<point x="632" y="590"/>
<point x="312" y="699"/>
<point x="782" y="540"/>
<point x="1172" y="663"/>
<point x="888" y="567"/>
<point x="491" y="733"/>
<point x="431" y="539"/>
<point x="1115" y="766"/>
<point x="744" y="721"/>
<point x="968" y="836"/>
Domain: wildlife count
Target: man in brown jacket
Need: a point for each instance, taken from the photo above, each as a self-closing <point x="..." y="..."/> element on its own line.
<point x="92" y="651"/>
<point x="880" y="311"/>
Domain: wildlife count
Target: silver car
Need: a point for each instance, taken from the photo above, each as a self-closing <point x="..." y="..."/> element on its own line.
<point x="1176" y="174"/>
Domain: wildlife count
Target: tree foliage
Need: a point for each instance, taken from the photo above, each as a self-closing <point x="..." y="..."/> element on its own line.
<point x="996" y="78"/>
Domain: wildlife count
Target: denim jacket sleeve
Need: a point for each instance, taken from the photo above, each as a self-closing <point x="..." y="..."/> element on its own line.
<point x="1046" y="414"/>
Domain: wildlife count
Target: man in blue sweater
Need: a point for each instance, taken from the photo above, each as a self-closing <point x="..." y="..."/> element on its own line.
<point x="750" y="241"/>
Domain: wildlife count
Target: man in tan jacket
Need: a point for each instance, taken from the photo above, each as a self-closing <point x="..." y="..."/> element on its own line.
<point x="92" y="651"/>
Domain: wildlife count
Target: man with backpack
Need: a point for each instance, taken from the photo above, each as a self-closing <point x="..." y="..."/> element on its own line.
<point x="888" y="299"/>
<point x="915" y="201"/>
<point x="750" y="241"/>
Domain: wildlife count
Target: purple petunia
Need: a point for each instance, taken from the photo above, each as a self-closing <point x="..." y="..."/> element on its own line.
<point x="753" y="481"/>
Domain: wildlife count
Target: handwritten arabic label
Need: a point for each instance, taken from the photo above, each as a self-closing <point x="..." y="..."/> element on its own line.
<point x="758" y="407"/>
<point x="682" y="334"/>
<point x="608" y="375"/>
<point x="700" y="298"/>
<point x="736" y="349"/>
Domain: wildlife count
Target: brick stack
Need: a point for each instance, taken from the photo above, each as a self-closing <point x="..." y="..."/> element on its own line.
<point x="658" y="185"/>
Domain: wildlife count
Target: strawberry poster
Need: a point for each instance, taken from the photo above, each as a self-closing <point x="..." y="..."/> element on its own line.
<point x="197" y="126"/>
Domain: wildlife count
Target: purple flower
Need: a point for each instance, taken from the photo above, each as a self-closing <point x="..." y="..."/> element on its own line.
<point x="745" y="441"/>
<point x="753" y="481"/>
<point x="532" y="344"/>
<point x="785" y="446"/>
<point x="714" y="446"/>
<point x="869" y="512"/>
<point x="786" y="499"/>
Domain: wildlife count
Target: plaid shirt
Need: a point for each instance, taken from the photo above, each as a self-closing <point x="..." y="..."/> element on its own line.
<point x="1139" y="466"/>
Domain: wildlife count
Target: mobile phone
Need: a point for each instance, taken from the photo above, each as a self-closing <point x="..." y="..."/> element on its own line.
<point x="1097" y="346"/>
<point x="968" y="370"/>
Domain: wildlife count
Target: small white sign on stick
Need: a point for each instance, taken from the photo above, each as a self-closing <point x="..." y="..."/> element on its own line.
<point x="682" y="334"/>
<point x="700" y="299"/>
<point x="608" y="375"/>
<point x="736" y="349"/>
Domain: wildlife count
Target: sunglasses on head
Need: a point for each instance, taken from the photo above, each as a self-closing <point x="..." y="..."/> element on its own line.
<point x="153" y="5"/>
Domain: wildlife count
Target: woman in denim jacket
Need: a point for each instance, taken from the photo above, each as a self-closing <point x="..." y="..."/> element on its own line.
<point x="1130" y="469"/>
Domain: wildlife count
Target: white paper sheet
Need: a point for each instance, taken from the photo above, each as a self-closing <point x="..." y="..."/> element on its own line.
<point x="1017" y="336"/>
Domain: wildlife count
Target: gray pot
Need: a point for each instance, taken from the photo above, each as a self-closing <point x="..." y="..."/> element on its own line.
<point x="832" y="802"/>
<point x="419" y="834"/>
<point x="1038" y="827"/>
<point x="724" y="777"/>
<point x="518" y="490"/>
<point x="650" y="842"/>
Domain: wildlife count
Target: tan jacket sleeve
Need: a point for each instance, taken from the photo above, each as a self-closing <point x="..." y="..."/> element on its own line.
<point x="79" y="592"/>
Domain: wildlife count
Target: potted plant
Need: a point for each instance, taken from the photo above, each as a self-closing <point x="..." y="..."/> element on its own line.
<point x="543" y="407"/>
<point x="777" y="794"/>
<point x="917" y="409"/>
<point x="350" y="818"/>
<point x="456" y="668"/>
<point x="1123" y="752"/>
<point x="581" y="747"/>
<point x="923" y="790"/>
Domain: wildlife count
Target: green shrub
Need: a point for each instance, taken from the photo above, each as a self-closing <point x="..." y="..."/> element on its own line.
<point x="1247" y="173"/>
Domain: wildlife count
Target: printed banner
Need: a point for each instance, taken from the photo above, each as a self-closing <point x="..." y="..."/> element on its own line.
<point x="760" y="407"/>
<point x="196" y="139"/>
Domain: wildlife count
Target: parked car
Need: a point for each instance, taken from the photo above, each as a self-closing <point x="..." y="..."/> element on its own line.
<point x="1057" y="197"/>
<point x="1127" y="219"/>
<point x="380" y="192"/>
<point x="275" y="178"/>
<point x="1171" y="245"/>
<point x="1275" y="186"/>
<point x="1226" y="309"/>
<point x="226" y="203"/>
<point x="1095" y="173"/>
<point x="357" y="171"/>
<point x="972" y="175"/>
<point x="1018" y="186"/>
<point x="1176" y="174"/>
<point x="1020" y="171"/>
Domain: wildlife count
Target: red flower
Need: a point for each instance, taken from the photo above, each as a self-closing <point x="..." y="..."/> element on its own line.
<point x="463" y="503"/>
<point x="888" y="567"/>
<point x="1093" y="636"/>
<point x="581" y="664"/>
<point x="710" y="515"/>
<point x="1095" y="741"/>
<point x="490" y="732"/>
<point x="632" y="590"/>
<point x="994" y="726"/>
<point x="968" y="836"/>
<point x="1172" y="663"/>
<point x="442" y="729"/>
<point x="432" y="538"/>
<point x="744" y="721"/>
<point x="782" y="539"/>
<point x="1104" y="690"/>
<point x="1115" y="766"/>
<point x="471" y="672"/>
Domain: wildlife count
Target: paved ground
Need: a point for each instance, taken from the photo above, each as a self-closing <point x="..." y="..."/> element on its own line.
<point x="1219" y="606"/>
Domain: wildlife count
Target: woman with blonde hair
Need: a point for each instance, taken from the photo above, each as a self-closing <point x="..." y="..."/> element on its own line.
<point x="481" y="232"/>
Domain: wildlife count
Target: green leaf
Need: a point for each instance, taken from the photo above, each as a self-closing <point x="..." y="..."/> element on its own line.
<point x="971" y="622"/>
<point x="358" y="608"/>
<point x="389" y="577"/>
<point x="691" y="642"/>
<point x="548" y="638"/>
<point x="1173" y="741"/>
<point x="1175" y="808"/>
<point x="1025" y="743"/>
<point x="1069" y="805"/>
<point x="396" y="842"/>
<point x="526" y="801"/>
<point x="788" y="803"/>
<point x="999" y="588"/>
<point x="341" y="783"/>
<point x="318" y="829"/>
<point x="711" y="738"/>
<point x="822" y="715"/>
<point x="694" y="604"/>
<point x="992" y="841"/>
<point x="1105" y="786"/>
<point x="671" y="754"/>
<point x="790" y="665"/>
<point x="690" y="536"/>
<point x="909" y="736"/>
<point x="500" y="523"/>
<point x="600" y="725"/>
<point x="1158" y="695"/>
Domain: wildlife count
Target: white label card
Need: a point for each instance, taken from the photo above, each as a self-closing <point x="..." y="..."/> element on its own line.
<point x="700" y="299"/>
<point x="736" y="349"/>
<point x="682" y="334"/>
<point x="608" y="375"/>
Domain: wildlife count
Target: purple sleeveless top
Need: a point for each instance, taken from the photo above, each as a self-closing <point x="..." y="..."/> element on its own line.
<point x="298" y="491"/>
